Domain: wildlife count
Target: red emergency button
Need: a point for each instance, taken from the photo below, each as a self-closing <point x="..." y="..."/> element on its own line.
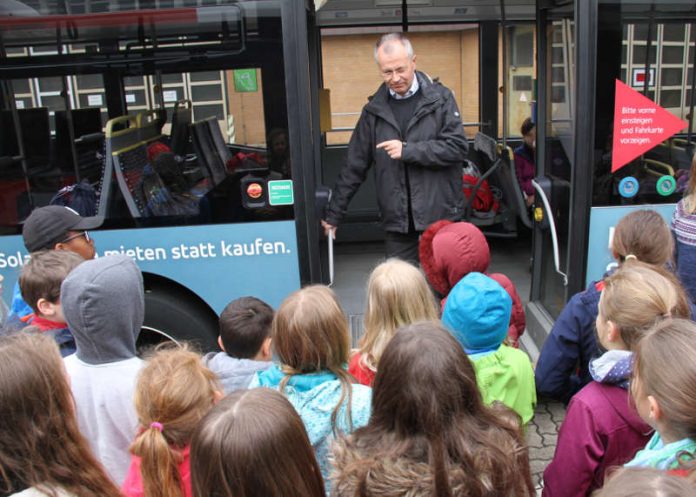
<point x="254" y="190"/>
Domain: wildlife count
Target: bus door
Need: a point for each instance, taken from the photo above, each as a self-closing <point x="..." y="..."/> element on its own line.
<point x="590" y="173"/>
<point x="97" y="95"/>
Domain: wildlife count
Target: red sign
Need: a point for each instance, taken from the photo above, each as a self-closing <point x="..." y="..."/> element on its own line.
<point x="639" y="125"/>
<point x="254" y="190"/>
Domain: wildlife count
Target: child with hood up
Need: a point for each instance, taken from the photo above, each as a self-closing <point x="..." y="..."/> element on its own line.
<point x="449" y="251"/>
<point x="103" y="304"/>
<point x="477" y="313"/>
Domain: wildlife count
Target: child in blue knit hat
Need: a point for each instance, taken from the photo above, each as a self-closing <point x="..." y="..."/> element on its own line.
<point x="477" y="313"/>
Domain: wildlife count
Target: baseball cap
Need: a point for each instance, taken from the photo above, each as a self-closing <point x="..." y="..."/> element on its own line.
<point x="48" y="225"/>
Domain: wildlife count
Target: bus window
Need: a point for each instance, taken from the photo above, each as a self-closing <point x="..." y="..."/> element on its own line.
<point x="656" y="60"/>
<point x="218" y="116"/>
<point x="177" y="118"/>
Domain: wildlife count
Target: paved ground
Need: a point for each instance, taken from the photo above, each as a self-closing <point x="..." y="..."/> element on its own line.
<point x="542" y="432"/>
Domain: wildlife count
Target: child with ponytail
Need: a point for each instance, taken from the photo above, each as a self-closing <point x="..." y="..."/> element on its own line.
<point x="601" y="429"/>
<point x="563" y="365"/>
<point x="663" y="388"/>
<point x="174" y="392"/>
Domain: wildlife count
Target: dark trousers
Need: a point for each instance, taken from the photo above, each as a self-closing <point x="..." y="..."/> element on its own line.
<point x="402" y="245"/>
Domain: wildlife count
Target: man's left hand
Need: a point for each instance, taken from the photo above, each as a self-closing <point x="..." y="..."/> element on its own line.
<point x="392" y="147"/>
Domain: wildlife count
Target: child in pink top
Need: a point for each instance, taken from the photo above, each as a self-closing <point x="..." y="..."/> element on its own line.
<point x="173" y="393"/>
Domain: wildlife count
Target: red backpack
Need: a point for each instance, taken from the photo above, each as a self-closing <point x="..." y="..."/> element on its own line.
<point x="484" y="201"/>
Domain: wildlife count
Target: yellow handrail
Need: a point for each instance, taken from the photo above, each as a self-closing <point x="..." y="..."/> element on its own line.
<point x="131" y="126"/>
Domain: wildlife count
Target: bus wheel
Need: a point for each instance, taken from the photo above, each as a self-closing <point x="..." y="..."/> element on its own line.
<point x="173" y="313"/>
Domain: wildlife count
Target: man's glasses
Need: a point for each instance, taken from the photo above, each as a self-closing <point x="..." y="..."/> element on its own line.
<point x="78" y="235"/>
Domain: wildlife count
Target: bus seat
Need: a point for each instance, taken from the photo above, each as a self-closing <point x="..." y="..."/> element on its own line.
<point x="204" y="144"/>
<point x="179" y="134"/>
<point x="219" y="141"/>
<point x="512" y="191"/>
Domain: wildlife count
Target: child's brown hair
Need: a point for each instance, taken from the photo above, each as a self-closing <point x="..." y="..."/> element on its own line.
<point x="639" y="295"/>
<point x="40" y="441"/>
<point x="665" y="369"/>
<point x="254" y="443"/>
<point x="173" y="393"/>
<point x="42" y="276"/>
<point x="310" y="334"/>
<point x="643" y="234"/>
<point x="427" y="410"/>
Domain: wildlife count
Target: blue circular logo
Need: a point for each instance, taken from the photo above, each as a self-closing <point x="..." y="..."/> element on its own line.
<point x="628" y="187"/>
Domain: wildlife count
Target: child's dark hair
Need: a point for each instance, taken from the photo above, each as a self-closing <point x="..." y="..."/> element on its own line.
<point x="645" y="235"/>
<point x="42" y="276"/>
<point x="244" y="324"/>
<point x="527" y="126"/>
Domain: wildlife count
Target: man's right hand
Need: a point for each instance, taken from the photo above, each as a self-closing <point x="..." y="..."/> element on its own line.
<point x="329" y="229"/>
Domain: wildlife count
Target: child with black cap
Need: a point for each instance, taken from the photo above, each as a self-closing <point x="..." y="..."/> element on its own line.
<point x="53" y="227"/>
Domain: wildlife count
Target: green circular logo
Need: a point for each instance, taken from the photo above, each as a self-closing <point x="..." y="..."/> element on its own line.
<point x="666" y="185"/>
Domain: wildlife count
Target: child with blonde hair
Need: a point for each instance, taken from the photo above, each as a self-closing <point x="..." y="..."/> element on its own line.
<point x="601" y="429"/>
<point x="173" y="393"/>
<point x="563" y="365"/>
<point x="663" y="388"/>
<point x="397" y="295"/>
<point x="684" y="228"/>
<point x="644" y="482"/>
<point x="42" y="452"/>
<point x="310" y="340"/>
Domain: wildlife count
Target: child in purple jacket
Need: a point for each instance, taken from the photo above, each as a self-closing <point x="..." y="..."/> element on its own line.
<point x="524" y="159"/>
<point x="601" y="428"/>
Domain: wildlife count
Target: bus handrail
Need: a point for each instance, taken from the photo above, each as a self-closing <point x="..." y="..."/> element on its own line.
<point x="140" y="118"/>
<point x="552" y="226"/>
<point x="667" y="169"/>
<point x="109" y="128"/>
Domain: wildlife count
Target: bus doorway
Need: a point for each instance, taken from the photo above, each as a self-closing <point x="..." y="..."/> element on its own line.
<point x="485" y="55"/>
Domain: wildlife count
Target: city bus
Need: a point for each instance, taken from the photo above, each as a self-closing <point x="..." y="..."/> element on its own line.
<point x="91" y="88"/>
<point x="257" y="100"/>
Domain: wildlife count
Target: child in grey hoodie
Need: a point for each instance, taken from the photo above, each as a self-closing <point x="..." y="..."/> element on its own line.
<point x="103" y="304"/>
<point x="245" y="338"/>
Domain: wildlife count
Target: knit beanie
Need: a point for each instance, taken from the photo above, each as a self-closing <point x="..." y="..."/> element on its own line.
<point x="477" y="313"/>
<point x="448" y="251"/>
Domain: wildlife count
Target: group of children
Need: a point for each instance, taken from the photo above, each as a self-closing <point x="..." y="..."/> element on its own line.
<point x="434" y="401"/>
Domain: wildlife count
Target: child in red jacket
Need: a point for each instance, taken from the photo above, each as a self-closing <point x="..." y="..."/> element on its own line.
<point x="449" y="251"/>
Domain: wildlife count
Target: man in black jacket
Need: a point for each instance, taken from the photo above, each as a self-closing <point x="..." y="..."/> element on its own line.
<point x="411" y="130"/>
